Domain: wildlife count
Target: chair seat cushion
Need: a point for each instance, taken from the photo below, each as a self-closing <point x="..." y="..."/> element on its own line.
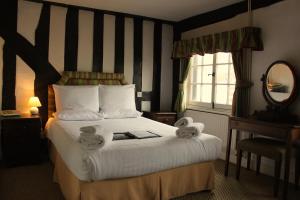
<point x="297" y="144"/>
<point x="263" y="146"/>
<point x="297" y="148"/>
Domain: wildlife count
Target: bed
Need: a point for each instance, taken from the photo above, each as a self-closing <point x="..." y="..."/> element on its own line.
<point x="156" y="168"/>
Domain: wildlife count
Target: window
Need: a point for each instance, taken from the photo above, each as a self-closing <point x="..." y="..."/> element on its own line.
<point x="211" y="81"/>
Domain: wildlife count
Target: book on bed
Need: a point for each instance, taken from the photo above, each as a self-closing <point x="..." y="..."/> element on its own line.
<point x="134" y="135"/>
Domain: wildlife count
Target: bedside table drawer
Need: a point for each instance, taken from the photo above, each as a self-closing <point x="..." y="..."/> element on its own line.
<point x="163" y="117"/>
<point x="17" y="127"/>
<point x="166" y="119"/>
<point x="21" y="140"/>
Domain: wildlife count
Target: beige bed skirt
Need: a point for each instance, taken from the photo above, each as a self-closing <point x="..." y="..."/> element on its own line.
<point x="156" y="186"/>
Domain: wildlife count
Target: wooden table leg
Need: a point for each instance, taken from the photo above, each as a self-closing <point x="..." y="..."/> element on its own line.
<point x="228" y="152"/>
<point x="249" y="154"/>
<point x="286" y="171"/>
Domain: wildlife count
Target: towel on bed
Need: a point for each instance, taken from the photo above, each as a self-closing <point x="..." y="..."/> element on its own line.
<point x="184" y="121"/>
<point x="91" y="129"/>
<point x="94" y="137"/>
<point x="192" y="130"/>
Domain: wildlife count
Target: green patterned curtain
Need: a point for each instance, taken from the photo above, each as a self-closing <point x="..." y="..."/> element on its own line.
<point x="180" y="103"/>
<point x="230" y="41"/>
<point x="236" y="42"/>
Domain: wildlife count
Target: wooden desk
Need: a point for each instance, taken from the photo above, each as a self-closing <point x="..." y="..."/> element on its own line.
<point x="286" y="132"/>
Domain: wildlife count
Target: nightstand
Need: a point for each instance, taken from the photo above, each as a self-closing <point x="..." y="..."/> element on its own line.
<point x="163" y="117"/>
<point x="20" y="139"/>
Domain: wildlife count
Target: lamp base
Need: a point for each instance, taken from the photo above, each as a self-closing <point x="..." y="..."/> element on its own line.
<point x="34" y="110"/>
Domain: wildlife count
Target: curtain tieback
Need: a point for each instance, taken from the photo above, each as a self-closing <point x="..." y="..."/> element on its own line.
<point x="180" y="86"/>
<point x="243" y="84"/>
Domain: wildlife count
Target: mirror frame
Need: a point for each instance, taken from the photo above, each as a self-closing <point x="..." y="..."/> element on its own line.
<point x="266" y="94"/>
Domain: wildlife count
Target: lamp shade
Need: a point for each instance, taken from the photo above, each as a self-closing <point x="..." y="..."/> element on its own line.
<point x="34" y="102"/>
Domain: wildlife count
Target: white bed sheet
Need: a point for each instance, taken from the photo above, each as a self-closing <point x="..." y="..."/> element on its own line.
<point x="128" y="158"/>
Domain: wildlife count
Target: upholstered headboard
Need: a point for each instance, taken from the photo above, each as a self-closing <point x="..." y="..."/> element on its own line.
<point x="83" y="78"/>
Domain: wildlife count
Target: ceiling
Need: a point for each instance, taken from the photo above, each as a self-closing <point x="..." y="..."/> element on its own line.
<point x="172" y="10"/>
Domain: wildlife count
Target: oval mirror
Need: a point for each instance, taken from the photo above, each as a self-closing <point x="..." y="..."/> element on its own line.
<point x="280" y="83"/>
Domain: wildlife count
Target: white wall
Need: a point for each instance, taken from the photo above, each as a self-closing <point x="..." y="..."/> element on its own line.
<point x="28" y="18"/>
<point x="281" y="29"/>
<point x="280" y="33"/>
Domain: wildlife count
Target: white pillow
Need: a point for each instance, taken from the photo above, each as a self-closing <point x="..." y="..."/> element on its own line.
<point x="76" y="97"/>
<point x="117" y="101"/>
<point x="78" y="115"/>
<point x="120" y="114"/>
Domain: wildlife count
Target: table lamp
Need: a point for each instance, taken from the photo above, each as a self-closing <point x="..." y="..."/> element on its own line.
<point x="34" y="103"/>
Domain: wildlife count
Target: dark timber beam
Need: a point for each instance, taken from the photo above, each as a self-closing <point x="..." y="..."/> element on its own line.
<point x="71" y="39"/>
<point x="156" y="80"/>
<point x="119" y="44"/>
<point x="8" y="30"/>
<point x="137" y="58"/>
<point x="220" y="14"/>
<point x="98" y="42"/>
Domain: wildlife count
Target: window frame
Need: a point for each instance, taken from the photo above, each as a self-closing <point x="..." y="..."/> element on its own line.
<point x="212" y="105"/>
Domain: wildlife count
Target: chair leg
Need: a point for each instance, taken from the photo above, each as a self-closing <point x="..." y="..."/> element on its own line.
<point x="297" y="173"/>
<point x="238" y="163"/>
<point x="258" y="161"/>
<point x="277" y="177"/>
<point x="248" y="160"/>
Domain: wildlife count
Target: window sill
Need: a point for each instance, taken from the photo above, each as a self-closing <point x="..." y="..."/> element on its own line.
<point x="219" y="111"/>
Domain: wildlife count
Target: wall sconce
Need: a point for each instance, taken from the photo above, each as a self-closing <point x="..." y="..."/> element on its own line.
<point x="34" y="103"/>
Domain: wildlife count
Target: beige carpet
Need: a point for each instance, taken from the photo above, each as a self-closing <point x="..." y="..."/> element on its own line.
<point x="35" y="183"/>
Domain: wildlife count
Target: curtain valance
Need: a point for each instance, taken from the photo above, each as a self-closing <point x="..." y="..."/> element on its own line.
<point x="229" y="41"/>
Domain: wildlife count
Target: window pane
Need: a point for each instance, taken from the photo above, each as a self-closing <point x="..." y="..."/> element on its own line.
<point x="196" y="75"/>
<point x="222" y="57"/>
<point x="195" y="96"/>
<point x="232" y="75"/>
<point x="208" y="59"/>
<point x="194" y="60"/>
<point x="207" y="74"/>
<point x="221" y="94"/>
<point x="230" y="93"/>
<point x="206" y="93"/>
<point x="222" y="74"/>
<point x="197" y="60"/>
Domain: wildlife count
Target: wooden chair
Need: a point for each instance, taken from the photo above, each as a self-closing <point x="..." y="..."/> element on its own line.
<point x="265" y="147"/>
<point x="297" y="164"/>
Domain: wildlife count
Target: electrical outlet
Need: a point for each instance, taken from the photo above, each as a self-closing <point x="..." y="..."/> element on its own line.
<point x="139" y="94"/>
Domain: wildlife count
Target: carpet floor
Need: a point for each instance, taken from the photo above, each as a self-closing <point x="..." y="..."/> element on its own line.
<point x="35" y="183"/>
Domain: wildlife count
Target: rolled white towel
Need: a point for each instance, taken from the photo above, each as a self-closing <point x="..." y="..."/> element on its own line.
<point x="184" y="121"/>
<point x="192" y="130"/>
<point x="91" y="129"/>
<point x="96" y="141"/>
<point x="94" y="137"/>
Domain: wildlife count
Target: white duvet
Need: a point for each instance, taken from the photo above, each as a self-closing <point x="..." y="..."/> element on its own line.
<point x="128" y="158"/>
